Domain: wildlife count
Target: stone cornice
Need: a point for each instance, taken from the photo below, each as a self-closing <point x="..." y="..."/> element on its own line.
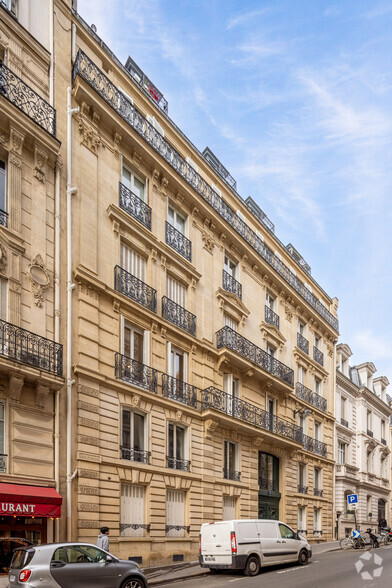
<point x="346" y="383"/>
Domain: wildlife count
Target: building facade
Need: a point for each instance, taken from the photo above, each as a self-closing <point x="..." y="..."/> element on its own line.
<point x="363" y="463"/>
<point x="30" y="354"/>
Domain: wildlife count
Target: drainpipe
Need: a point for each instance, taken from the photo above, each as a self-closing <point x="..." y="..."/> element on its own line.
<point x="51" y="45"/>
<point x="70" y="286"/>
<point x="57" y="178"/>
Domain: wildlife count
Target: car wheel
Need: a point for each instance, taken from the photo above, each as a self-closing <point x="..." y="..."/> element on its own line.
<point x="133" y="583"/>
<point x="252" y="567"/>
<point x="303" y="557"/>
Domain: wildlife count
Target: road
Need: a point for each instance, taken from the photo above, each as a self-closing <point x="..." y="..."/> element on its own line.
<point x="346" y="569"/>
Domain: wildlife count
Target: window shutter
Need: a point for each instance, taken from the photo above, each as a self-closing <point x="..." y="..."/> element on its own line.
<point x="146" y="347"/>
<point x="229" y="322"/>
<point x="132" y="509"/>
<point x="228" y="508"/>
<point x="133" y="263"/>
<point x="175" y="512"/>
<point x="176" y="291"/>
<point x="3" y="299"/>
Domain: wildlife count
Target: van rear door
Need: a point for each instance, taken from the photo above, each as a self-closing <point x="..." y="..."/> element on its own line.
<point x="215" y="543"/>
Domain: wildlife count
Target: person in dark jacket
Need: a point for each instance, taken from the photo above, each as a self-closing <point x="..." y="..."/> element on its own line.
<point x="382" y="523"/>
<point x="103" y="538"/>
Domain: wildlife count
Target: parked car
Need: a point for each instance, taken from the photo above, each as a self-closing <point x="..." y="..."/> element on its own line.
<point x="250" y="544"/>
<point x="72" y="565"/>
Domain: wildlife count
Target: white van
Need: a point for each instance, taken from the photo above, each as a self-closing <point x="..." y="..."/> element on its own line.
<point x="249" y="544"/>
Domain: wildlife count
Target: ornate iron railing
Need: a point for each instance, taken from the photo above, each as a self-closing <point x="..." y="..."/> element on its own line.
<point x="370" y="433"/>
<point x="134" y="206"/>
<point x="31" y="349"/>
<point x="267" y="484"/>
<point x="314" y="446"/>
<point x="3" y="462"/>
<point x="240" y="409"/>
<point x="344" y="422"/>
<point x="260" y="214"/>
<point x="134" y="526"/>
<point x="304" y="393"/>
<point x="3" y="218"/>
<point x="383" y="441"/>
<point x="317" y="532"/>
<point x="179" y="391"/>
<point x="10" y="5"/>
<point x="178" y="242"/>
<point x="302" y="531"/>
<point x="133" y="288"/>
<point x="93" y="76"/>
<point x="178" y="464"/>
<point x="178" y="315"/>
<point x="319" y="402"/>
<point x="231" y="475"/>
<point x="271" y="317"/>
<point x="318" y="356"/>
<point x="136" y="373"/>
<point x="302" y="489"/>
<point x="302" y="343"/>
<point x="144" y="82"/>
<point x="220" y="169"/>
<point x="27" y="100"/>
<point x="231" y="285"/>
<point x="135" y="455"/>
<point x="317" y="492"/>
<point x="227" y="337"/>
<point x="186" y="528"/>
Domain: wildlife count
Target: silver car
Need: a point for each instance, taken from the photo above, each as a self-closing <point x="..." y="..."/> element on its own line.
<point x="72" y="565"/>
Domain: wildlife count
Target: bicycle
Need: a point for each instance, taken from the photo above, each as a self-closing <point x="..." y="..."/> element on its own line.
<point x="354" y="543"/>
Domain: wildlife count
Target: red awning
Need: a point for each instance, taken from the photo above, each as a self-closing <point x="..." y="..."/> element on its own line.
<point x="29" y="501"/>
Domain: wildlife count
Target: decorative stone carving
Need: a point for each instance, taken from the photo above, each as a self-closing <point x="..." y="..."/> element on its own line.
<point x="15" y="385"/>
<point x="16" y="141"/>
<point x="3" y="259"/>
<point x="96" y="118"/>
<point x="89" y="440"/>
<point x="208" y="242"/>
<point x="155" y="179"/>
<point x="211" y="425"/>
<point x="116" y="306"/>
<point x="258" y="442"/>
<point x="92" y="457"/>
<point x="163" y="332"/>
<point x="289" y="313"/>
<point x="89" y="490"/>
<point x="179" y="198"/>
<point x="40" y="160"/>
<point x="88" y="423"/>
<point x="88" y="524"/>
<point x="137" y="158"/>
<point x="92" y="474"/>
<point x="179" y="415"/>
<point x="39" y="278"/>
<point x="41" y="394"/>
<point x="88" y="507"/>
<point x="88" y="407"/>
<point x="87" y="390"/>
<point x="90" y="138"/>
<point x="116" y="144"/>
<point x="135" y="400"/>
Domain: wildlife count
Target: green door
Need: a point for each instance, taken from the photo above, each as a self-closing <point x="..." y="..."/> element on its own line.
<point x="268" y="508"/>
<point x="269" y="494"/>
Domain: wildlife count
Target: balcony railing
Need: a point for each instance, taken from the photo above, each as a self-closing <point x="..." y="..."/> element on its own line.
<point x="31" y="349"/>
<point x="344" y="422"/>
<point x="302" y="489"/>
<point x="135" y="455"/>
<point x="93" y="76"/>
<point x="229" y="338"/>
<point x="317" y="533"/>
<point x="383" y="441"/>
<point x="178" y="464"/>
<point x="240" y="409"/>
<point x="318" y="356"/>
<point x="136" y="373"/>
<point x="178" y="315"/>
<point x="304" y="393"/>
<point x="319" y="402"/>
<point x="231" y="475"/>
<point x="135" y="289"/>
<point x="231" y="285"/>
<point x="134" y="206"/>
<point x="271" y="317"/>
<point x="317" y="492"/>
<point x="314" y="446"/>
<point x="178" y="242"/>
<point x="10" y="5"/>
<point x="370" y="433"/>
<point x="3" y="462"/>
<point x="3" y="218"/>
<point x="267" y="484"/>
<point x="302" y="343"/>
<point x="27" y="100"/>
<point x="179" y="391"/>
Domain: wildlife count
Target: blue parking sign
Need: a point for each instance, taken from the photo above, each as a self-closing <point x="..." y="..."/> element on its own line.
<point x="356" y="534"/>
<point x="352" y="499"/>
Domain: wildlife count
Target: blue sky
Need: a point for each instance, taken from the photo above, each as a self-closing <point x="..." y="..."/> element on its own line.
<point x="295" y="98"/>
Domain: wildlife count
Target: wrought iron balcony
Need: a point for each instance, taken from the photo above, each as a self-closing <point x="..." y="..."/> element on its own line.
<point x="179" y="391"/>
<point x="3" y="462"/>
<point x="31" y="349"/>
<point x="267" y="484"/>
<point x="231" y="475"/>
<point x="302" y="532"/>
<point x="229" y="338"/>
<point x="178" y="242"/>
<point x="140" y="78"/>
<point x="383" y="441"/>
<point x="133" y="288"/>
<point x="136" y="373"/>
<point x="231" y="285"/>
<point x="134" y="527"/>
<point x="304" y="393"/>
<point x="27" y="100"/>
<point x="186" y="528"/>
<point x="178" y="315"/>
<point x="370" y="433"/>
<point x="319" y="402"/>
<point x="314" y="446"/>
<point x="318" y="356"/>
<point x="302" y="343"/>
<point x="3" y="218"/>
<point x="240" y="409"/>
<point x="317" y="492"/>
<point x="10" y="5"/>
<point x="344" y="422"/>
<point x="302" y="489"/>
<point x="271" y="317"/>
<point x="93" y="76"/>
<point x="317" y="532"/>
<point x="178" y="464"/>
<point x="220" y="169"/>
<point x="135" y="455"/>
<point x="134" y="206"/>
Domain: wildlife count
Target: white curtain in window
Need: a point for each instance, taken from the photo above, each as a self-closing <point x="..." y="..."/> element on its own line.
<point x="132" y="509"/>
<point x="229" y="322"/>
<point x="228" y="508"/>
<point x="133" y="263"/>
<point x="176" y="291"/>
<point x="175" y="512"/>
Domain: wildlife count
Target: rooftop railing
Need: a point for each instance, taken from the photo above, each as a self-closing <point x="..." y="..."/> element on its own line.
<point x="133" y="288"/>
<point x="27" y="100"/>
<point x="134" y="206"/>
<point x="93" y="76"/>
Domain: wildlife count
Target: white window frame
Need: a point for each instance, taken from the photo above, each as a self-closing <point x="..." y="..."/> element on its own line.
<point x="236" y="455"/>
<point x="181" y="215"/>
<point x="369" y="462"/>
<point x="176" y="291"/>
<point x="186" y="440"/>
<point x="134" y="175"/>
<point x="301" y="328"/>
<point x="317" y="525"/>
<point x="318" y="386"/>
<point x="172" y="349"/>
<point x="319" y="428"/>
<point x="133" y="411"/>
<point x="4" y="173"/>
<point x="342" y="452"/>
<point x="175" y="516"/>
<point x="132" y="262"/>
<point x="146" y="338"/>
<point x="229" y="322"/>
<point x="139" y="510"/>
<point x="229" y="510"/>
<point x="301" y="517"/>
<point x="270" y="301"/>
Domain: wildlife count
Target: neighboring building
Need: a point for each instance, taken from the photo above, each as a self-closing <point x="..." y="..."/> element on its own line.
<point x="363" y="464"/>
<point x="30" y="358"/>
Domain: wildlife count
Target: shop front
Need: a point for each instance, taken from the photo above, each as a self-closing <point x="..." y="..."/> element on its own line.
<point x="27" y="515"/>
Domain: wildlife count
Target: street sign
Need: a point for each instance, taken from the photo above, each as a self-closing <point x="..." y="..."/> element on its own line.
<point x="352" y="500"/>
<point x="356" y="534"/>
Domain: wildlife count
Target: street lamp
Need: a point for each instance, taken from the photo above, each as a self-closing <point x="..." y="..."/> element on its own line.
<point x="302" y="411"/>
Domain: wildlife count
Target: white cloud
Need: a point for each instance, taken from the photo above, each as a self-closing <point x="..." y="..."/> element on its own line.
<point x="246" y="18"/>
<point x="371" y="346"/>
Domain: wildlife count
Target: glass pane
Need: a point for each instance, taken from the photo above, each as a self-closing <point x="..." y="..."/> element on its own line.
<point x="138" y="188"/>
<point x="126" y="429"/>
<point x="180" y="438"/>
<point x="171" y="441"/>
<point x="138" y="346"/>
<point x="138" y="434"/>
<point x="126" y="178"/>
<point x="127" y="341"/>
<point x="231" y="456"/>
<point x="180" y="224"/>
<point x="3" y="205"/>
<point x="225" y="455"/>
<point x="170" y="215"/>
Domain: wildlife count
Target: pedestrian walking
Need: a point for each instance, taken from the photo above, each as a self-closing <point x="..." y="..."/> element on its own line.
<point x="382" y="523"/>
<point x="103" y="538"/>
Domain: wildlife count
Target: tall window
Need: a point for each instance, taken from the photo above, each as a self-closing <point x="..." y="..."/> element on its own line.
<point x="317" y="522"/>
<point x="135" y="184"/>
<point x="177" y="220"/>
<point x="268" y="472"/>
<point x="175" y="513"/>
<point x="342" y="452"/>
<point x="231" y="386"/>
<point x="317" y="479"/>
<point x="301" y="374"/>
<point x="178" y="361"/>
<point x="369" y="462"/>
<point x="230" y="459"/>
<point x="2" y="438"/>
<point x="301" y="519"/>
<point x="382" y="467"/>
<point x="3" y="187"/>
<point x="3" y="298"/>
<point x="317" y="387"/>
<point x="270" y="301"/>
<point x="229" y="322"/>
<point x="176" y="291"/>
<point x="176" y="447"/>
<point x="302" y="485"/>
<point x="228" y="513"/>
<point x="369" y="420"/>
<point x="132" y="510"/>
<point x="317" y="431"/>
<point x="317" y="342"/>
<point x="133" y="263"/>
<point x="133" y="435"/>
<point x="301" y="328"/>
<point x="382" y="429"/>
<point x="230" y="267"/>
<point x="343" y="407"/>
<point x="133" y="342"/>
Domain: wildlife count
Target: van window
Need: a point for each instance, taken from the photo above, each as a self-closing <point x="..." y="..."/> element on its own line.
<point x="286" y="532"/>
<point x="267" y="530"/>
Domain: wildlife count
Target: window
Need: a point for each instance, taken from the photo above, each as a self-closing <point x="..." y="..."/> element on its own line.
<point x="317" y="342"/>
<point x="301" y="328"/>
<point x="230" y="266"/>
<point x="369" y="420"/>
<point x="317" y="386"/>
<point x="270" y="301"/>
<point x="134" y="183"/>
<point x="79" y="554"/>
<point x="175" y="513"/>
<point x="317" y="522"/>
<point x="132" y="510"/>
<point x="134" y="436"/>
<point x="176" y="447"/>
<point x="383" y="429"/>
<point x="382" y="467"/>
<point x="302" y="485"/>
<point x="177" y="220"/>
<point x="3" y="300"/>
<point x="369" y="460"/>
<point x="342" y="452"/>
<point x="230" y="460"/>
<point x="317" y="431"/>
<point x="178" y="364"/>
<point x="132" y="262"/>
<point x="286" y="532"/>
<point x="231" y="386"/>
<point x="302" y="519"/>
<point x="301" y="374"/>
<point x="369" y="505"/>
<point x="133" y="342"/>
<point x="3" y="188"/>
<point x="176" y="291"/>
<point x="303" y="422"/>
<point x="317" y="479"/>
<point x="228" y="508"/>
<point x="2" y="438"/>
<point x="268" y="472"/>
<point x="343" y="407"/>
<point x="229" y="322"/>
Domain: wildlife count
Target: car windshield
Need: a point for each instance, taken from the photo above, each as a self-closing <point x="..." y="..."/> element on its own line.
<point x="21" y="558"/>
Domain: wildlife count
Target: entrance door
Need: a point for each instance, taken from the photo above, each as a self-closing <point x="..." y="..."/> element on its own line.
<point x="268" y="508"/>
